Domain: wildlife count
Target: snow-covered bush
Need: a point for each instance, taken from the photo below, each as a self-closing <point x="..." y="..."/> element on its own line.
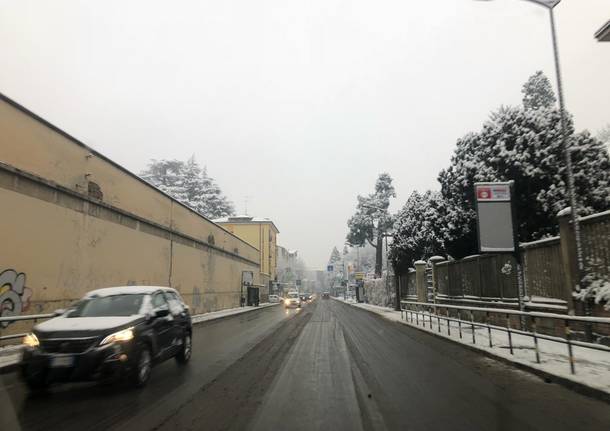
<point x="597" y="285"/>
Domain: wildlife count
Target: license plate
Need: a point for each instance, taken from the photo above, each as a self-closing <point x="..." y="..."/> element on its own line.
<point x="62" y="361"/>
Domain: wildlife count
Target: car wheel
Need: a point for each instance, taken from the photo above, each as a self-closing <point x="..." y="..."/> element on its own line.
<point x="186" y="351"/>
<point x="143" y="367"/>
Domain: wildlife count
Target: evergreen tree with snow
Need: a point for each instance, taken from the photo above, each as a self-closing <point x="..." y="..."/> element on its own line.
<point x="190" y="185"/>
<point x="167" y="176"/>
<point x="372" y="209"/>
<point x="538" y="92"/>
<point x="216" y="204"/>
<point x="524" y="144"/>
<point x="604" y="136"/>
<point x="419" y="230"/>
<point x="335" y="256"/>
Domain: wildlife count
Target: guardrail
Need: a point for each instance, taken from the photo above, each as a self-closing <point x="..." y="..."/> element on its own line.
<point x="429" y="310"/>
<point x="11" y="319"/>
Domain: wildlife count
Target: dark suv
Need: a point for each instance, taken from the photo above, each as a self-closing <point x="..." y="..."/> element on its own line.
<point x="110" y="333"/>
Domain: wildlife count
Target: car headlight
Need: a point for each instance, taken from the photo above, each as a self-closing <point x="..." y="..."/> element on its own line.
<point x="124" y="335"/>
<point x="286" y="301"/>
<point x="31" y="340"/>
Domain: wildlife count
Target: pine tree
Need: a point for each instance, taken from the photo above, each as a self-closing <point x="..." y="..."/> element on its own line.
<point x="419" y="231"/>
<point x="335" y="256"/>
<point x="373" y="209"/>
<point x="524" y="145"/>
<point x="189" y="184"/>
<point x="167" y="176"/>
<point x="538" y="92"/>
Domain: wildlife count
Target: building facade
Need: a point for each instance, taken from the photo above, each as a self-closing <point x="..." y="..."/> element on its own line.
<point x="260" y="233"/>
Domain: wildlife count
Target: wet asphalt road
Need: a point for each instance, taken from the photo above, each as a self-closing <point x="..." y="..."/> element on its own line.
<point x="327" y="366"/>
<point x="216" y="345"/>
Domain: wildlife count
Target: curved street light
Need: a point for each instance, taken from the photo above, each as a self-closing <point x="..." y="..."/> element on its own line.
<point x="550" y="6"/>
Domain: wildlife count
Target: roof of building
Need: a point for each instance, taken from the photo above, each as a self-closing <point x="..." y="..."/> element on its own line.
<point x="245" y="219"/>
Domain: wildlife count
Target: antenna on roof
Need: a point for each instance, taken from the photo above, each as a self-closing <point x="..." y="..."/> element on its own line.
<point x="246" y="205"/>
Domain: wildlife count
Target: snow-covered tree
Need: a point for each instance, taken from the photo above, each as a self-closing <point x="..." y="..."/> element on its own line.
<point x="538" y="92"/>
<point x="167" y="176"/>
<point x="604" y="136"/>
<point x="216" y="204"/>
<point x="189" y="184"/>
<point x="523" y="145"/>
<point x="335" y="256"/>
<point x="370" y="209"/>
<point x="419" y="230"/>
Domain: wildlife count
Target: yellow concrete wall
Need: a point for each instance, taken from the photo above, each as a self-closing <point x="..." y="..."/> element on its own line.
<point x="63" y="243"/>
<point x="32" y="146"/>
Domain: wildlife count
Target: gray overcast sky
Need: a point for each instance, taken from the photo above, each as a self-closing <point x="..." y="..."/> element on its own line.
<point x="296" y="104"/>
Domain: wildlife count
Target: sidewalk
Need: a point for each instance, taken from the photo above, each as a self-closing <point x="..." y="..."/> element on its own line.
<point x="11" y="355"/>
<point x="592" y="366"/>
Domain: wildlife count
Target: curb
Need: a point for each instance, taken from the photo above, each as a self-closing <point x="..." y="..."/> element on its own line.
<point x="10" y="368"/>
<point x="548" y="377"/>
<point x="249" y="310"/>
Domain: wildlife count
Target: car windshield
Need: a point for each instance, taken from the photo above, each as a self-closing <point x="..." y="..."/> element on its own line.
<point x="293" y="295"/>
<point x="114" y="305"/>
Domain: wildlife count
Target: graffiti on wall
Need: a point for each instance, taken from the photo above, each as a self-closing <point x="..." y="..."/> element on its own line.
<point x="14" y="296"/>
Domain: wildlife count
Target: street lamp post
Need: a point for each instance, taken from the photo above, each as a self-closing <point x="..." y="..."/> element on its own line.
<point x="550" y="6"/>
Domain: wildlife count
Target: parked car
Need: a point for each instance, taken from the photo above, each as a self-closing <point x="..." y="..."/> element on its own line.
<point x="325" y="295"/>
<point x="292" y="300"/>
<point x="109" y="334"/>
<point x="274" y="298"/>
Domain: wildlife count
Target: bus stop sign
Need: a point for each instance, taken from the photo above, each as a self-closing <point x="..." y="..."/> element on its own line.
<point x="495" y="217"/>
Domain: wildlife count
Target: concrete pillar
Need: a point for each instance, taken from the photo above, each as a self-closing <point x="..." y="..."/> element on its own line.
<point x="568" y="256"/>
<point x="420" y="281"/>
<point x="433" y="261"/>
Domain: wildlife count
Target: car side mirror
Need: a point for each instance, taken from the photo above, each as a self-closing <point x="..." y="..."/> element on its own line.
<point x="161" y="312"/>
<point x="59" y="311"/>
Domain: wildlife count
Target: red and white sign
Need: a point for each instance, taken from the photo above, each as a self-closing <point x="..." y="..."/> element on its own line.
<point x="495" y="192"/>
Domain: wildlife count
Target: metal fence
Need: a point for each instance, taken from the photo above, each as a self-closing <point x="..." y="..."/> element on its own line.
<point x="596" y="250"/>
<point x="476" y="317"/>
<point x="408" y="285"/>
<point x="486" y="276"/>
<point x="544" y="272"/>
<point x="11" y="319"/>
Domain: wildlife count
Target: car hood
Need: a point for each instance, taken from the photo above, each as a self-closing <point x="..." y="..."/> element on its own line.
<point x="83" y="326"/>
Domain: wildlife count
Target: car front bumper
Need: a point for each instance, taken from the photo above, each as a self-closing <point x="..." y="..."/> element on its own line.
<point x="98" y="363"/>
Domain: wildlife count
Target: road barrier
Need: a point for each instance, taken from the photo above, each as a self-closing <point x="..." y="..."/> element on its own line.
<point x="411" y="310"/>
<point x="11" y="319"/>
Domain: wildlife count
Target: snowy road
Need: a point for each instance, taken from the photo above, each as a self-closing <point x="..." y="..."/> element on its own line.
<point x="328" y="366"/>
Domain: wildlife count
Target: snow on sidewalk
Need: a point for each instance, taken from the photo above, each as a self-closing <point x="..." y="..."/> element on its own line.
<point x="592" y="366"/>
<point x="11" y="355"/>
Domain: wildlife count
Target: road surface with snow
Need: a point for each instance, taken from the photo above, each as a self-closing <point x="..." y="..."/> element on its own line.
<point x="327" y="366"/>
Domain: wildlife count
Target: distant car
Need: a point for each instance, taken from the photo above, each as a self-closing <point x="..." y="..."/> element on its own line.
<point x="112" y="333"/>
<point x="292" y="300"/>
<point x="274" y="298"/>
<point x="325" y="295"/>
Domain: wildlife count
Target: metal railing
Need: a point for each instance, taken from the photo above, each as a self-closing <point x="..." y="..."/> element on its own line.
<point x="409" y="309"/>
<point x="11" y="319"/>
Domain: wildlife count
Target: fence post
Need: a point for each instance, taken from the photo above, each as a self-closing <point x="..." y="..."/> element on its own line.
<point x="567" y="243"/>
<point x="420" y="281"/>
<point x="434" y="260"/>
